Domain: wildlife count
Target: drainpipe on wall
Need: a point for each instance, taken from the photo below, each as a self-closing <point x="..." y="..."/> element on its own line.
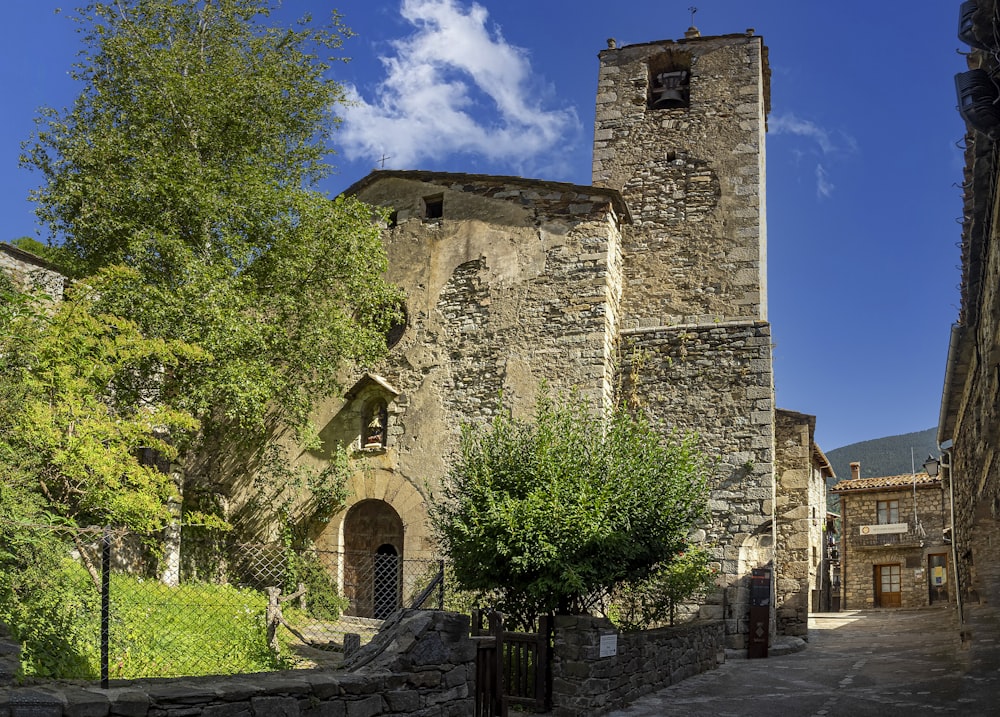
<point x="946" y="465"/>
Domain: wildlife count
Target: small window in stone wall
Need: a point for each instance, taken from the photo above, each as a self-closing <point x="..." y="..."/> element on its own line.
<point x="434" y="206"/>
<point x="888" y="511"/>
<point x="669" y="81"/>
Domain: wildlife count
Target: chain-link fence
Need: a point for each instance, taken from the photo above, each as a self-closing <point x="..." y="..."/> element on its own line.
<point x="113" y="605"/>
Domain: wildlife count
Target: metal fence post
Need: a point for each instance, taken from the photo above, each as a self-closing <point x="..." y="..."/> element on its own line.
<point x="105" y="604"/>
<point x="441" y="585"/>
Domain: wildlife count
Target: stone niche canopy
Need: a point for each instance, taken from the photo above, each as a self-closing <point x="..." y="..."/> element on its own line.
<point x="371" y="395"/>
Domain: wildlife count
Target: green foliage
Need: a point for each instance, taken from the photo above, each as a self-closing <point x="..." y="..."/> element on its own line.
<point x="47" y="601"/>
<point x="323" y="601"/>
<point x="193" y="629"/>
<point x="182" y="184"/>
<point x="549" y="513"/>
<point x="78" y="398"/>
<point x="653" y="601"/>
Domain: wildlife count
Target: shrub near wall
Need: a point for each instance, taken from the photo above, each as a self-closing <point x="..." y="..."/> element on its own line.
<point x="584" y="683"/>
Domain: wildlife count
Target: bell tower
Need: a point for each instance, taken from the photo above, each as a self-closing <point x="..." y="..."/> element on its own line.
<point x="679" y="131"/>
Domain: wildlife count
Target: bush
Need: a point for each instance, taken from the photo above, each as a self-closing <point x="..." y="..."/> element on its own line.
<point x="653" y="602"/>
<point x="549" y="513"/>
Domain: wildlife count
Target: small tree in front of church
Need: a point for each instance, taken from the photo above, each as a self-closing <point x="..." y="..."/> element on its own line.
<point x="550" y="514"/>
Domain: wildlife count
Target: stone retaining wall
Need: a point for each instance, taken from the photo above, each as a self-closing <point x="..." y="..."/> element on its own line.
<point x="584" y="683"/>
<point x="420" y="664"/>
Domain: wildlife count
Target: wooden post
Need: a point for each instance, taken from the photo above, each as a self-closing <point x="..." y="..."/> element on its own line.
<point x="273" y="618"/>
<point x="543" y="665"/>
<point x="496" y="630"/>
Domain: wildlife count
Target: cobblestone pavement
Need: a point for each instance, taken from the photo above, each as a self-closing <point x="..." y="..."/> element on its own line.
<point x="857" y="663"/>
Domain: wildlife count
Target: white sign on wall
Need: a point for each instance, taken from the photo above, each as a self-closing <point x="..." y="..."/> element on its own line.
<point x="609" y="645"/>
<point x="884" y="529"/>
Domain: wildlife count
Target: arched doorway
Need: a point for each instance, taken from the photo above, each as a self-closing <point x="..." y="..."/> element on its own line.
<point x="373" y="551"/>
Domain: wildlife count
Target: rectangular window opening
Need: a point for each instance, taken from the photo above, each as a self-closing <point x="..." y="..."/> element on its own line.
<point x="434" y="207"/>
<point x="888" y="511"/>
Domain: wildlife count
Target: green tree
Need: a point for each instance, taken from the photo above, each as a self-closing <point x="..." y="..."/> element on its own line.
<point x="548" y="514"/>
<point x="75" y="407"/>
<point x="186" y="175"/>
<point x="653" y="601"/>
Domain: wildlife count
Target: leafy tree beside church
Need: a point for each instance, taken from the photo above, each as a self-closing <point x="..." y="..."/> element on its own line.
<point x="182" y="187"/>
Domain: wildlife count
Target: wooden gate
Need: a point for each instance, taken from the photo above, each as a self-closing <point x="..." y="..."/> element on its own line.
<point x="511" y="667"/>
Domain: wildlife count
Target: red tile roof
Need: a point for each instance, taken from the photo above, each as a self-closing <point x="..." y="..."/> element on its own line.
<point x="907" y="480"/>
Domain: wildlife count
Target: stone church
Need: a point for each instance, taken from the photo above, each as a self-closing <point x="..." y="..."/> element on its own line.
<point x="652" y="281"/>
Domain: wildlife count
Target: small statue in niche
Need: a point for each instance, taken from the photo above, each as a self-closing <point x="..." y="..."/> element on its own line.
<point x="376" y="429"/>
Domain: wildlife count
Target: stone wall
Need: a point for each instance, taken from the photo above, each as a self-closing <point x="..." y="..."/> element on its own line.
<point x="517" y="282"/>
<point x="860" y="554"/>
<point x="693" y="177"/>
<point x="422" y="663"/>
<point x="31" y="272"/>
<point x="800" y="512"/>
<point x="715" y="381"/>
<point x="585" y="684"/>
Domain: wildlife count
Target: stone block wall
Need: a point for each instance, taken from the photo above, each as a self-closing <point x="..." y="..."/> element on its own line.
<point x="422" y="663"/>
<point x="860" y="554"/>
<point x="716" y="381"/>
<point x="693" y="176"/>
<point x="31" y="272"/>
<point x="585" y="684"/>
<point x="799" y="515"/>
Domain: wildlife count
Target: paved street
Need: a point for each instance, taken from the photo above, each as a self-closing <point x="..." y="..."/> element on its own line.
<point x="859" y="663"/>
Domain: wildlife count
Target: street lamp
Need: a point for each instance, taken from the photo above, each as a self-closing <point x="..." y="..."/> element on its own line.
<point x="932" y="465"/>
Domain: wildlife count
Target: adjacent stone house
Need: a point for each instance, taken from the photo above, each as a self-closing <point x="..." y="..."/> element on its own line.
<point x="969" y="424"/>
<point x="803" y="581"/>
<point x="895" y="542"/>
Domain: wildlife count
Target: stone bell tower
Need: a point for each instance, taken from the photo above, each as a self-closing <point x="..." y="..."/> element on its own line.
<point x="679" y="131"/>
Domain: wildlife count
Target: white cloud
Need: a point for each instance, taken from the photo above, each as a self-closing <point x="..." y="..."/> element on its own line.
<point x="453" y="86"/>
<point x="824" y="187"/>
<point x="790" y="124"/>
<point x="819" y="142"/>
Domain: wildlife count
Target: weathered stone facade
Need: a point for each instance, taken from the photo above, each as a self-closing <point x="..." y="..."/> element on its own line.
<point x="800" y="517"/>
<point x="912" y="561"/>
<point x="651" y="283"/>
<point x="693" y="177"/>
<point x="31" y="272"/>
<point x="969" y="425"/>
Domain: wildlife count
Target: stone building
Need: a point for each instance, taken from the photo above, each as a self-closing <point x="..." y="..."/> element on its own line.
<point x="969" y="424"/>
<point x="651" y="283"/>
<point x="31" y="272"/>
<point x="803" y="583"/>
<point x="894" y="550"/>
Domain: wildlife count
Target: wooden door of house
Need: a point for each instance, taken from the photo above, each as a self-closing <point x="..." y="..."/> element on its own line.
<point x="888" y="586"/>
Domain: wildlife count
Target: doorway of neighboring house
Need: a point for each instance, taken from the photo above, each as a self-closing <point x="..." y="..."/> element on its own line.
<point x="937" y="577"/>
<point x="888" y="586"/>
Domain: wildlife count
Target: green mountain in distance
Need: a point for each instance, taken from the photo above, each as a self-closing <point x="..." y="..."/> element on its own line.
<point x="889" y="456"/>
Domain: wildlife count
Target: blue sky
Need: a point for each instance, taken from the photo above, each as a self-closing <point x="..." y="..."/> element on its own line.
<point x="863" y="154"/>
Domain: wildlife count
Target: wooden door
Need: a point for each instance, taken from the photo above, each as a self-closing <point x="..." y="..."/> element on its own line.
<point x="888" y="587"/>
